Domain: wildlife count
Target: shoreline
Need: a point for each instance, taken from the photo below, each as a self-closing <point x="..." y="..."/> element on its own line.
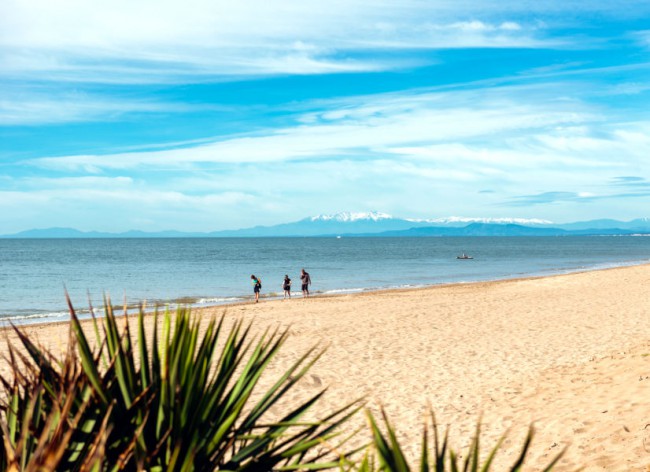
<point x="570" y="353"/>
<point x="234" y="301"/>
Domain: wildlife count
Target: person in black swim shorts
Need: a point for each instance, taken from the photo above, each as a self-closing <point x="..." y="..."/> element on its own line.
<point x="306" y="282"/>
<point x="286" y="286"/>
<point x="257" y="286"/>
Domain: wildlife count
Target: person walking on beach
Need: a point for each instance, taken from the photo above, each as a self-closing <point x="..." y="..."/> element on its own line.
<point x="257" y="286"/>
<point x="286" y="285"/>
<point x="306" y="282"/>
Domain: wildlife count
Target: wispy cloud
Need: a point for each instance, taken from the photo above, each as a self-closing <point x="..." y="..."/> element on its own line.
<point x="134" y="206"/>
<point x="637" y="187"/>
<point x="389" y="125"/>
<point x="525" y="147"/>
<point x="147" y="41"/>
<point x="221" y="133"/>
<point x="643" y="38"/>
<point x="549" y="197"/>
<point x="28" y="108"/>
<point x="631" y="182"/>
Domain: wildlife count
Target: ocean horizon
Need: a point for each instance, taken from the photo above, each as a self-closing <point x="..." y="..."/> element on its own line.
<point x="199" y="272"/>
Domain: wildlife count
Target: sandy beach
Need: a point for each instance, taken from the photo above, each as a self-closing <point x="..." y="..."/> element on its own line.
<point x="570" y="353"/>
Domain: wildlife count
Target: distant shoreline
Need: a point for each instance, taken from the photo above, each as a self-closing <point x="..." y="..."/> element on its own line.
<point x="150" y="308"/>
<point x="449" y="234"/>
<point x="372" y="224"/>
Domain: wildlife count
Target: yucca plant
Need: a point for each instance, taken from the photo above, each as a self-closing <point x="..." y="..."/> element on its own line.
<point x="35" y="442"/>
<point x="175" y="401"/>
<point x="45" y="420"/>
<point x="386" y="453"/>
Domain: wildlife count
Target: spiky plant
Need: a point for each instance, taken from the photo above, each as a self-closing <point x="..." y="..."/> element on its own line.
<point x="45" y="419"/>
<point x="386" y="453"/>
<point x="175" y="401"/>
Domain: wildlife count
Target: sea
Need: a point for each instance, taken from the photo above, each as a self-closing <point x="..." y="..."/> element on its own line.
<point x="36" y="274"/>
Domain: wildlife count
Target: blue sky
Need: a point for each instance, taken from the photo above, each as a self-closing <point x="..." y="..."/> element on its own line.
<point x="206" y="114"/>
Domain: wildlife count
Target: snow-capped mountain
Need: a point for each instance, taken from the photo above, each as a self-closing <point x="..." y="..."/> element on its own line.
<point x="350" y="223"/>
<point x="462" y="220"/>
<point x="347" y="222"/>
<point x="379" y="223"/>
<point x="382" y="224"/>
<point x="347" y="216"/>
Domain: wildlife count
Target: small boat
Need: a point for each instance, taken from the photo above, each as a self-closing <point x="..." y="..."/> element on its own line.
<point x="464" y="256"/>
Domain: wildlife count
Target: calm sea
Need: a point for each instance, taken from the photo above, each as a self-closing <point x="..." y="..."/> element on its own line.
<point x="35" y="273"/>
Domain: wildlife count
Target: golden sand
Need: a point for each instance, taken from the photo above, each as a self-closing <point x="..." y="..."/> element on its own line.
<point x="570" y="353"/>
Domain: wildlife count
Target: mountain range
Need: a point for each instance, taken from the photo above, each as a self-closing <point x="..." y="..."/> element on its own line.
<point x="377" y="224"/>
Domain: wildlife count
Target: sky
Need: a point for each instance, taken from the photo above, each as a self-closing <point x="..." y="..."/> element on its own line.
<point x="205" y="115"/>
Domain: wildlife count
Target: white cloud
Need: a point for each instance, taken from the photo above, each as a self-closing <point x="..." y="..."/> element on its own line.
<point x="476" y="26"/>
<point x="643" y="37"/>
<point x="120" y="208"/>
<point x="166" y="40"/>
<point x="366" y="126"/>
<point x="418" y="150"/>
<point x="83" y="182"/>
<point x="149" y="41"/>
<point x="25" y="108"/>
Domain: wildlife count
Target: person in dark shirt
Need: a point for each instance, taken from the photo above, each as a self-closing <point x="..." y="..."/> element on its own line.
<point x="306" y="282"/>
<point x="257" y="286"/>
<point x="286" y="285"/>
